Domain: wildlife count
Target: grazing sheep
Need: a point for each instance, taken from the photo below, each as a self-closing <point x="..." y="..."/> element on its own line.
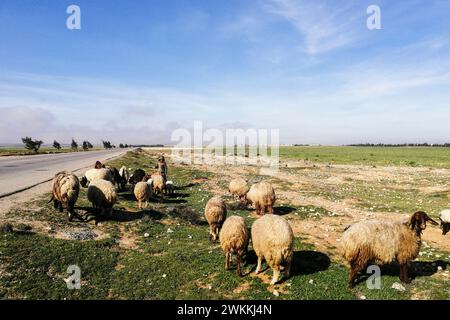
<point x="238" y="187"/>
<point x="273" y="239"/>
<point x="383" y="242"/>
<point x="234" y="238"/>
<point x="158" y="183"/>
<point x="103" y="195"/>
<point x="65" y="191"/>
<point x="96" y="174"/>
<point x="262" y="196"/>
<point x="445" y="221"/>
<point x="215" y="214"/>
<point x="142" y="192"/>
<point x="169" y="188"/>
<point x="137" y="176"/>
<point x="117" y="177"/>
<point x="125" y="174"/>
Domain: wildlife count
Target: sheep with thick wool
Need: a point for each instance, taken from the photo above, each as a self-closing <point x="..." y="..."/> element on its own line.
<point x="142" y="192"/>
<point x="238" y="188"/>
<point x="159" y="183"/>
<point x="383" y="242"/>
<point x="65" y="191"/>
<point x="262" y="196"/>
<point x="103" y="195"/>
<point x="444" y="216"/>
<point x="272" y="240"/>
<point x="215" y="214"/>
<point x="234" y="238"/>
<point x="96" y="174"/>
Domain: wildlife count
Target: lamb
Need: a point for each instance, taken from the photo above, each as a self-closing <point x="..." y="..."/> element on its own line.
<point x="262" y="196"/>
<point x="142" y="192"/>
<point x="96" y="174"/>
<point x="103" y="195"/>
<point x="215" y="214"/>
<point x="383" y="242"/>
<point x="234" y="238"/>
<point x="65" y="191"/>
<point x="169" y="188"/>
<point x="158" y="183"/>
<point x="238" y="187"/>
<point x="117" y="177"/>
<point x="445" y="221"/>
<point x="273" y="239"/>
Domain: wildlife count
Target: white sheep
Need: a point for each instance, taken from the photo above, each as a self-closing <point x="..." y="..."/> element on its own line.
<point x="383" y="242"/>
<point x="124" y="173"/>
<point x="273" y="239"/>
<point x="262" y="196"/>
<point x="215" y="214"/>
<point x="142" y="192"/>
<point x="158" y="183"/>
<point x="169" y="188"/>
<point x="238" y="188"/>
<point x="445" y="221"/>
<point x="234" y="238"/>
<point x="65" y="191"/>
<point x="97" y="174"/>
<point x="103" y="195"/>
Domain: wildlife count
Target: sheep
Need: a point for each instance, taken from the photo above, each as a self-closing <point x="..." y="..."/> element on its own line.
<point x="125" y="174"/>
<point x="234" y="238"/>
<point x="383" y="242"/>
<point x="262" y="196"/>
<point x="103" y="195"/>
<point x="238" y="187"/>
<point x="117" y="177"/>
<point x="65" y="191"/>
<point x="273" y="239"/>
<point x="142" y="192"/>
<point x="445" y="221"/>
<point x="169" y="188"/>
<point x="215" y="214"/>
<point x="136" y="177"/>
<point x="96" y="174"/>
<point x="98" y="165"/>
<point x="159" y="183"/>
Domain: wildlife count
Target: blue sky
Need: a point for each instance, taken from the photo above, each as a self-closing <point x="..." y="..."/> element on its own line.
<point x="137" y="70"/>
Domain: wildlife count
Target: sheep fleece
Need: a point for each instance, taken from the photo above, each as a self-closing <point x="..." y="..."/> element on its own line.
<point x="66" y="188"/>
<point x="234" y="235"/>
<point x="238" y="187"/>
<point x="215" y="211"/>
<point x="102" y="194"/>
<point x="381" y="242"/>
<point x="262" y="193"/>
<point x="142" y="191"/>
<point x="99" y="174"/>
<point x="272" y="239"/>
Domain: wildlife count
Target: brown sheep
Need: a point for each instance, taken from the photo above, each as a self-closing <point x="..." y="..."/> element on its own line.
<point x="142" y="192"/>
<point x="238" y="187"/>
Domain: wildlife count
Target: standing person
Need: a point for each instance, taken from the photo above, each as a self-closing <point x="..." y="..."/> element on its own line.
<point x="162" y="167"/>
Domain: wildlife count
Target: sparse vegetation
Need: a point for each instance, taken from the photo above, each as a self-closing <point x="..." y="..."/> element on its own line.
<point x="31" y="144"/>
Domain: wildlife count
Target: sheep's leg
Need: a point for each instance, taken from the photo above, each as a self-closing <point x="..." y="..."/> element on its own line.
<point x="55" y="204"/>
<point x="404" y="273"/>
<point x="288" y="268"/>
<point x="258" y="208"/>
<point x="270" y="209"/>
<point x="276" y="276"/>
<point x="227" y="260"/>
<point x="258" y="267"/>
<point x="354" y="270"/>
<point x="238" y="265"/>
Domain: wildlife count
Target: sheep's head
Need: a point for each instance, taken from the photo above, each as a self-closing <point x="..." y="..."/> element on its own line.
<point x="84" y="182"/>
<point x="445" y="226"/>
<point x="98" y="165"/>
<point x="418" y="222"/>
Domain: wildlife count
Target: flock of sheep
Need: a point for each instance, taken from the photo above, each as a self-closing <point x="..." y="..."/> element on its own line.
<point x="371" y="241"/>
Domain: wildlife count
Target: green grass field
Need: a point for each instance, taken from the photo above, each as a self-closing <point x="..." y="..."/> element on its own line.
<point x="170" y="255"/>
<point x="20" y="151"/>
<point x="379" y="156"/>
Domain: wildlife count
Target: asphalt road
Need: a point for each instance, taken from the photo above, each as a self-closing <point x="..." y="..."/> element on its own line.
<point x="18" y="173"/>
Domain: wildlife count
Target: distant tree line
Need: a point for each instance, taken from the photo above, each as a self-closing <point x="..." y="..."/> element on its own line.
<point x="34" y="145"/>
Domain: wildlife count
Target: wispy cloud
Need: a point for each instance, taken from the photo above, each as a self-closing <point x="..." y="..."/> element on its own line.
<point x="323" y="27"/>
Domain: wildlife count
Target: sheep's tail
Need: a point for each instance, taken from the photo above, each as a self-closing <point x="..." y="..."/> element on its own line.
<point x="51" y="199"/>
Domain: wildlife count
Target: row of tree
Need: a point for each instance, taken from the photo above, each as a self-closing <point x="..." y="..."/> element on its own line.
<point x="35" y="145"/>
<point x="442" y="145"/>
